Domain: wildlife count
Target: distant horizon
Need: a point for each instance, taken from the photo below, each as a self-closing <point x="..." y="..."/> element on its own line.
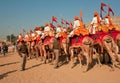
<point x="27" y="14"/>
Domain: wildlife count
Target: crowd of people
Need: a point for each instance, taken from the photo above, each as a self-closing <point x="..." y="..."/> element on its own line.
<point x="3" y="48"/>
<point x="77" y="29"/>
<point x="39" y="41"/>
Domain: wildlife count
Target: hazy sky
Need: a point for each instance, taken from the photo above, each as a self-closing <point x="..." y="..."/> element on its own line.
<point x="18" y="14"/>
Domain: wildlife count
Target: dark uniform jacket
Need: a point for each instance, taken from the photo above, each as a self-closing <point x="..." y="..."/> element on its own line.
<point x="56" y="44"/>
<point x="23" y="49"/>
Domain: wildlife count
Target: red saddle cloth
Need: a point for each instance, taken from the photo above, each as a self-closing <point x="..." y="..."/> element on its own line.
<point x="61" y="39"/>
<point x="96" y="37"/>
<point x="114" y="34"/>
<point x="47" y="40"/>
<point x="102" y="35"/>
<point x="77" y="40"/>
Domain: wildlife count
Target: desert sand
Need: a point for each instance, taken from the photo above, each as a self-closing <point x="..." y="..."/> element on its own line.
<point x="36" y="72"/>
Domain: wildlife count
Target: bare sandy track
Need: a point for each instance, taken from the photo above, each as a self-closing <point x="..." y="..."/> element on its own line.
<point x="45" y="73"/>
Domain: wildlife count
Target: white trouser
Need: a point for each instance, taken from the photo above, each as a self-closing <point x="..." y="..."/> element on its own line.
<point x="71" y="34"/>
<point x="93" y="29"/>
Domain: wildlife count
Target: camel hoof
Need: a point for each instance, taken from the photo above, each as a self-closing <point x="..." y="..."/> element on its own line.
<point x="84" y="71"/>
<point x="72" y="66"/>
<point x="36" y="58"/>
<point x="51" y="63"/>
<point x="100" y="65"/>
<point x="44" y="62"/>
<point x="112" y="69"/>
<point x="81" y="66"/>
<point x="56" y="67"/>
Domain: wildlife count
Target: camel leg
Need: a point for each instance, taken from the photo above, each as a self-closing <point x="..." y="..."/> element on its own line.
<point x="65" y="50"/>
<point x="98" y="59"/>
<point x="80" y="59"/>
<point x="53" y="57"/>
<point x="72" y="58"/>
<point x="41" y="52"/>
<point x="36" y="52"/>
<point x="87" y="65"/>
<point x="29" y="50"/>
<point x="87" y="52"/>
<point x="31" y="54"/>
<point x="111" y="54"/>
<point x="45" y="55"/>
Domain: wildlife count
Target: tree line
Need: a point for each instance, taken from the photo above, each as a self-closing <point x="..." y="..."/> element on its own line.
<point x="12" y="38"/>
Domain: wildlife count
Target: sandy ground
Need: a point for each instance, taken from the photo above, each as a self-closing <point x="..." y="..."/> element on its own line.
<point x="45" y="73"/>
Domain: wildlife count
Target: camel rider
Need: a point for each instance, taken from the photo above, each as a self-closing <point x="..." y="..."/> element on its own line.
<point x="20" y="38"/>
<point x="33" y="36"/>
<point x="108" y="22"/>
<point x="27" y="37"/>
<point x="52" y="30"/>
<point x="58" y="31"/>
<point x="64" y="29"/>
<point x="61" y="31"/>
<point x="38" y="31"/>
<point x="46" y="31"/>
<point x="38" y="35"/>
<point x="95" y="23"/>
<point x="76" y="25"/>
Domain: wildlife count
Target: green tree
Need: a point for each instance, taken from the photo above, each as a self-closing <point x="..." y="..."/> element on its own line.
<point x="12" y="38"/>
